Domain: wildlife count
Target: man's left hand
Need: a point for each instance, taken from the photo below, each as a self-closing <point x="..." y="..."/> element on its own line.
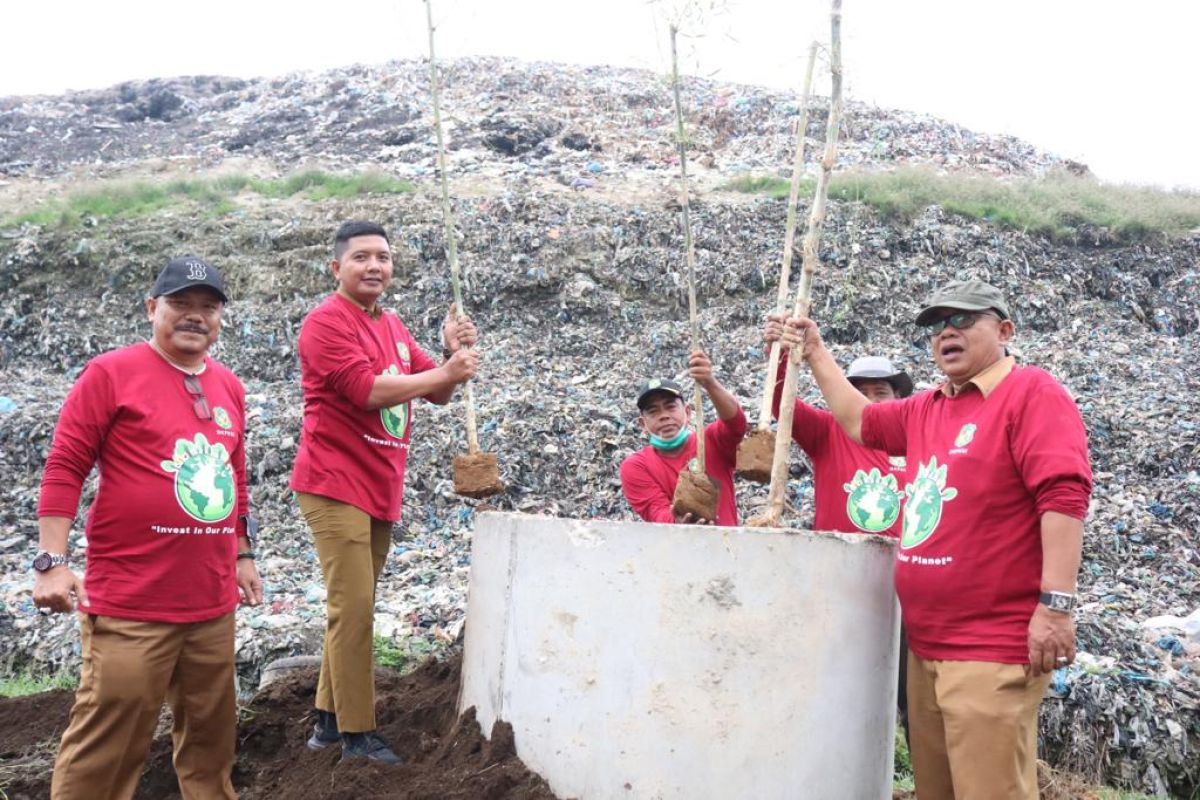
<point x="1051" y="641"/>
<point x="458" y="331"/>
<point x="248" y="582"/>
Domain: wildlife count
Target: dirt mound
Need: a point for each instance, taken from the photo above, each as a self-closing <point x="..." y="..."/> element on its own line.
<point x="446" y="756"/>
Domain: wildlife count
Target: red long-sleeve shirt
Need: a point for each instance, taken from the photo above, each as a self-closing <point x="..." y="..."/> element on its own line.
<point x="161" y="533"/>
<point x="856" y="489"/>
<point x="648" y="477"/>
<point x="983" y="469"/>
<point x="348" y="452"/>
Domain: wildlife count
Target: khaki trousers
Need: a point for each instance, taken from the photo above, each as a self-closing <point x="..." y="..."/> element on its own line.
<point x="973" y="728"/>
<point x="129" y="667"/>
<point x="352" y="547"/>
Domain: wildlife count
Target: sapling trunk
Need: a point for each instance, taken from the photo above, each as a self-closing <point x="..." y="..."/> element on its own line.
<point x="812" y="241"/>
<point x="695" y="493"/>
<point x="756" y="453"/>
<point x="476" y="474"/>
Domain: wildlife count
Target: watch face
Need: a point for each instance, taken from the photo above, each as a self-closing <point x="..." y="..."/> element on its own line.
<point x="1061" y="602"/>
<point x="42" y="562"/>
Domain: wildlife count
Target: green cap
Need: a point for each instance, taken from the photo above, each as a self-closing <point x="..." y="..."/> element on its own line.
<point x="964" y="296"/>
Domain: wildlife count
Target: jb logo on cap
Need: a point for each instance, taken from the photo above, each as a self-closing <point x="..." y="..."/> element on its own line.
<point x="196" y="271"/>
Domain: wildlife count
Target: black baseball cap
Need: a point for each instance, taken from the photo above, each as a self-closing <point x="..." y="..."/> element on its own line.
<point x="654" y="385"/>
<point x="184" y="273"/>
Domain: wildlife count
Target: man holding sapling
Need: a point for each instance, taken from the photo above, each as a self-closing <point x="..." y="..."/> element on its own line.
<point x="856" y="488"/>
<point x="361" y="369"/>
<point x="999" y="485"/>
<point x="649" y="476"/>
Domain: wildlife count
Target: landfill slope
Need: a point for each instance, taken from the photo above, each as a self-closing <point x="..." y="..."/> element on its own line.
<point x="573" y="253"/>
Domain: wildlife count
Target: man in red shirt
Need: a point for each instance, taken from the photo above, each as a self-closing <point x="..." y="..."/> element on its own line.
<point x="169" y="542"/>
<point x="856" y="489"/>
<point x="649" y="475"/>
<point x="361" y="369"/>
<point x="998" y="488"/>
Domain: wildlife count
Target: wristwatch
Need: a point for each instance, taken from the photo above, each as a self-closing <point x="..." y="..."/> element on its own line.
<point x="44" y="562"/>
<point x="1062" y="602"/>
<point x="251" y="529"/>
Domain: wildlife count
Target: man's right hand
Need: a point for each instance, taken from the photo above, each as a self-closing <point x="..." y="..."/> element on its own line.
<point x="463" y="365"/>
<point x="691" y="519"/>
<point x="802" y="332"/>
<point x="773" y="331"/>
<point x="54" y="588"/>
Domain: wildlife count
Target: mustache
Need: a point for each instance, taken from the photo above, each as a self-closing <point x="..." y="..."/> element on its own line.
<point x="191" y="328"/>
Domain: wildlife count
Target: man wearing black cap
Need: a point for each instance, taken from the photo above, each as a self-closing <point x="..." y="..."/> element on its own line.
<point x="169" y="551"/>
<point x="648" y="477"/>
<point x="999" y="485"/>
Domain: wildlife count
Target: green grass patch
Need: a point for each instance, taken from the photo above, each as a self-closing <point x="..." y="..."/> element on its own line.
<point x="214" y="196"/>
<point x="902" y="771"/>
<point x="26" y="683"/>
<point x="387" y="653"/>
<point x="1056" y="206"/>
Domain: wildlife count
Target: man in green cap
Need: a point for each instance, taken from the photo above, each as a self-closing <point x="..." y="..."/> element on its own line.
<point x="998" y="486"/>
<point x="649" y="476"/>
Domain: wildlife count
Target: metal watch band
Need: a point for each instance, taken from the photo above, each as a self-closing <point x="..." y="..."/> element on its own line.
<point x="1061" y="602"/>
<point x="44" y="561"/>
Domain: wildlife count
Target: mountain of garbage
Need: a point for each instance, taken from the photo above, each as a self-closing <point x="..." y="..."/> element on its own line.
<point x="570" y="237"/>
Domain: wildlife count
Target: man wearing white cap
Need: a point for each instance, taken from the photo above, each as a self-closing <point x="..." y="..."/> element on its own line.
<point x="856" y="489"/>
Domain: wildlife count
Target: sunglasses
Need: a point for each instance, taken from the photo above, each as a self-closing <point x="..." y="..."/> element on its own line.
<point x="960" y="321"/>
<point x="199" y="401"/>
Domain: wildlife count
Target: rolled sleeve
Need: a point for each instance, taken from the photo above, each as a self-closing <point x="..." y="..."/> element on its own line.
<point x="885" y="426"/>
<point x="334" y="354"/>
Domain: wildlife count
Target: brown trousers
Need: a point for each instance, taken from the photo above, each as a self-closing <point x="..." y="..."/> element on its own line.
<point x="129" y="668"/>
<point x="973" y="727"/>
<point x="352" y="547"/>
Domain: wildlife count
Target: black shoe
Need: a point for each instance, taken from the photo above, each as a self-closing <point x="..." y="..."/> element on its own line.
<point x="325" y="731"/>
<point x="368" y="745"/>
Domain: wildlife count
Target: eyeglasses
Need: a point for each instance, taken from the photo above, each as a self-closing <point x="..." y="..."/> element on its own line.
<point x="960" y="321"/>
<point x="199" y="401"/>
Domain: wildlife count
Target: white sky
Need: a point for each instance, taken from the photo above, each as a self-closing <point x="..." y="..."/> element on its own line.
<point x="1112" y="84"/>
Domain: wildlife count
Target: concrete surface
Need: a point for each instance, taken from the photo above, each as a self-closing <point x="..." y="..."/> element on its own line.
<point x="665" y="661"/>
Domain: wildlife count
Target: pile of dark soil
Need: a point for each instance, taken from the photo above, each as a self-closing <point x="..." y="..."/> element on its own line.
<point x="446" y="756"/>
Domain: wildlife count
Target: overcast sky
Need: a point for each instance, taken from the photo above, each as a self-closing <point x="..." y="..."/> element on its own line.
<point x="1112" y="84"/>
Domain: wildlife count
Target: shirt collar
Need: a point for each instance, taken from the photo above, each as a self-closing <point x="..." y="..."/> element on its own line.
<point x="986" y="381"/>
<point x="373" y="313"/>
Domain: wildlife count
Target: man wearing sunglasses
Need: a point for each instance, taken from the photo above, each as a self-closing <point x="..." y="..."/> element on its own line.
<point x="361" y="369"/>
<point x="169" y="542"/>
<point x="998" y="486"/>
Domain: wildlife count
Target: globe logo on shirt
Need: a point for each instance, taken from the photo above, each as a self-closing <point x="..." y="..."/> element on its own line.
<point x="965" y="435"/>
<point x="204" y="480"/>
<point x="872" y="501"/>
<point x="221" y="417"/>
<point x="923" y="509"/>
<point x="395" y="418"/>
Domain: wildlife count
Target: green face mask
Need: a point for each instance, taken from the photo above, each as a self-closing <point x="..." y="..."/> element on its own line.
<point x="659" y="443"/>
